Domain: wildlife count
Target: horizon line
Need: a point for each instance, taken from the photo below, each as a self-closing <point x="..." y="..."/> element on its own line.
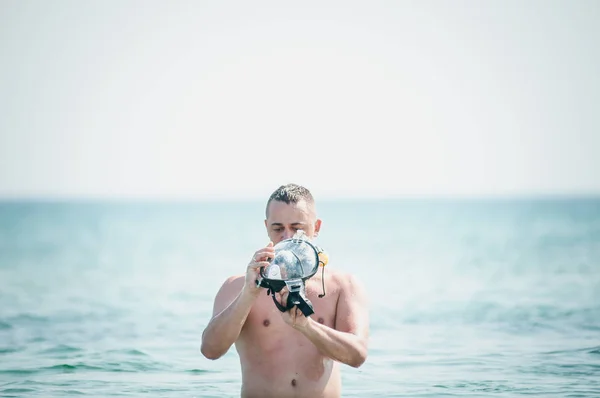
<point x="321" y="198"/>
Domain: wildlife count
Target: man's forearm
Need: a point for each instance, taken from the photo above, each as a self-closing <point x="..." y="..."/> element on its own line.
<point x="342" y="347"/>
<point x="223" y="330"/>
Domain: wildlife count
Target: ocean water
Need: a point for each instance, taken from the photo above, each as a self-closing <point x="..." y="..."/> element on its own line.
<point x="469" y="298"/>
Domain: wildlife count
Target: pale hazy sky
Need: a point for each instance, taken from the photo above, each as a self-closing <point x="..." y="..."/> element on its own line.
<point x="231" y="99"/>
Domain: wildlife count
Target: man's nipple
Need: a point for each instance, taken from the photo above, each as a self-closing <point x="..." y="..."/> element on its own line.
<point x="266" y="323"/>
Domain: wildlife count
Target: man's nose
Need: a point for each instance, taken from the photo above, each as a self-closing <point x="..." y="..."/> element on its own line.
<point x="288" y="234"/>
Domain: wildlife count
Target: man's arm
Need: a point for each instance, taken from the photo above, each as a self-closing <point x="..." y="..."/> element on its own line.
<point x="348" y="343"/>
<point x="231" y="308"/>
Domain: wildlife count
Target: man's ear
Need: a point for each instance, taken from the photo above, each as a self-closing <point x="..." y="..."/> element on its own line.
<point x="317" y="227"/>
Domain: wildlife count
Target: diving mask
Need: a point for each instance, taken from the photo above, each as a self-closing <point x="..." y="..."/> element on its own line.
<point x="296" y="260"/>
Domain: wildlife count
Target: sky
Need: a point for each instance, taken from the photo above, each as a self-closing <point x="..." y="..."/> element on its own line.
<point x="193" y="99"/>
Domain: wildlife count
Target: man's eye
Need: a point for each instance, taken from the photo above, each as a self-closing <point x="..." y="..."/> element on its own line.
<point x="278" y="229"/>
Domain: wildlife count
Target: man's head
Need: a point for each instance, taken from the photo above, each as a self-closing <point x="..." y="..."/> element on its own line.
<point x="291" y="207"/>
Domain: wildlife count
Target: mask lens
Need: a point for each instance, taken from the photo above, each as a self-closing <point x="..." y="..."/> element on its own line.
<point x="294" y="258"/>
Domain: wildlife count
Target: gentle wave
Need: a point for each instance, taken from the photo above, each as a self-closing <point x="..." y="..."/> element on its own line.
<point x="61" y="349"/>
<point x="124" y="366"/>
<point x="588" y="350"/>
<point x="5" y="325"/>
<point x="9" y="350"/>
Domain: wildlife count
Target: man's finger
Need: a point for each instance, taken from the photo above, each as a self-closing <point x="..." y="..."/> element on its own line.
<point x="256" y="265"/>
<point x="283" y="295"/>
<point x="262" y="255"/>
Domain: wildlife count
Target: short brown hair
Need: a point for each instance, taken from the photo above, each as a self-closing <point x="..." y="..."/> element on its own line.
<point x="290" y="193"/>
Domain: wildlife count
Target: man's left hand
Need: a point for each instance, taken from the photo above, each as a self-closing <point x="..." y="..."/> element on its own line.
<point x="293" y="317"/>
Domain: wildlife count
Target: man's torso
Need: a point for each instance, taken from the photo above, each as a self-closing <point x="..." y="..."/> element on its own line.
<point x="277" y="360"/>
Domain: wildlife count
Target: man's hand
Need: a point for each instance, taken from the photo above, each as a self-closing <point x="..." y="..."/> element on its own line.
<point x="293" y="317"/>
<point x="253" y="270"/>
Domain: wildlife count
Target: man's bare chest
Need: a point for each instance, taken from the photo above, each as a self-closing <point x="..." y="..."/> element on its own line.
<point x="266" y="314"/>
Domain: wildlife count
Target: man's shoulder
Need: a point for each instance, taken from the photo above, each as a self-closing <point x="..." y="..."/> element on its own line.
<point x="234" y="280"/>
<point x="343" y="279"/>
<point x="340" y="274"/>
<point x="232" y="283"/>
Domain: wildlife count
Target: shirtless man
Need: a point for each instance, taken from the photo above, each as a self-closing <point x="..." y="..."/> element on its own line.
<point x="285" y="354"/>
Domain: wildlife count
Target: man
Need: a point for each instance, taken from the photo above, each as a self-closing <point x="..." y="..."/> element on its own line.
<point x="285" y="354"/>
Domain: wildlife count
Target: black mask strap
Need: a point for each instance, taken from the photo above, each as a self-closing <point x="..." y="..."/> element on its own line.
<point x="279" y="306"/>
<point x="298" y="299"/>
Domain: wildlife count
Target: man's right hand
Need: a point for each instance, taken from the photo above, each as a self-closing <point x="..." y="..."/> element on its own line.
<point x="253" y="270"/>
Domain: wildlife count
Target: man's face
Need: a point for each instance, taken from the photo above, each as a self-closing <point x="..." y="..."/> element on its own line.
<point x="284" y="220"/>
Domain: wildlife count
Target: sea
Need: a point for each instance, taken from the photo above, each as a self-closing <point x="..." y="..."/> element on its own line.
<point x="488" y="297"/>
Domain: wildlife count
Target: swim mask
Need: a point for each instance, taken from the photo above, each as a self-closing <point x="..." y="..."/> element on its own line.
<point x="296" y="260"/>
